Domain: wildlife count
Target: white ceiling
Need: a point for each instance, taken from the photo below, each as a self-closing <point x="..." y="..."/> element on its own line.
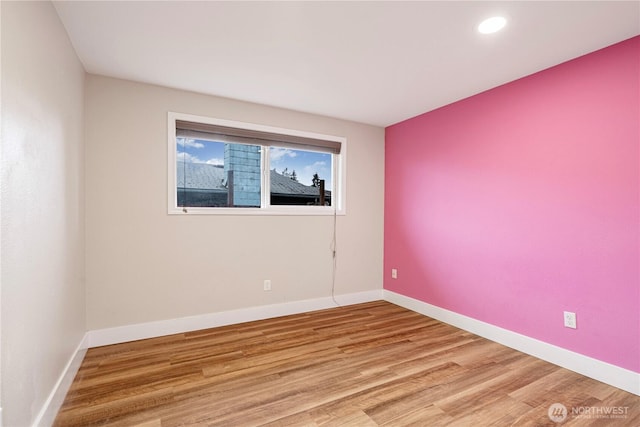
<point x="371" y="62"/>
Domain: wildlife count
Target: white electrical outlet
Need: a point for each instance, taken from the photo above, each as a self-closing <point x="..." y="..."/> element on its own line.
<point x="267" y="285"/>
<point x="570" y="320"/>
<point x="394" y="273"/>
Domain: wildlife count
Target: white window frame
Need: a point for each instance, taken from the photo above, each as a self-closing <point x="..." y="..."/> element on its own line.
<point x="339" y="172"/>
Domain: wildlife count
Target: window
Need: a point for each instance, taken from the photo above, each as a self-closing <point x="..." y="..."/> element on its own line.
<point x="208" y="172"/>
<point x="224" y="167"/>
<point x="300" y="177"/>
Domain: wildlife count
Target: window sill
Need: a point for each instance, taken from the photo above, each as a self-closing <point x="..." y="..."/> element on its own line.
<point x="279" y="210"/>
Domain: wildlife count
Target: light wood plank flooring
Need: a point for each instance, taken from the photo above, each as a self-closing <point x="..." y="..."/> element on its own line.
<point x="373" y="364"/>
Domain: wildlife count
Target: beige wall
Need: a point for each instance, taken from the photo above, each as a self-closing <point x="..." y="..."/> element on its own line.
<point x="43" y="294"/>
<point x="145" y="265"/>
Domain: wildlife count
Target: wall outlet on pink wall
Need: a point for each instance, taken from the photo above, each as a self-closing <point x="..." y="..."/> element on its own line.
<point x="570" y="320"/>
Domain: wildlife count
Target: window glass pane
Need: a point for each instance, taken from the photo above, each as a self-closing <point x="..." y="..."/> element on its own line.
<point x="217" y="174"/>
<point x="296" y="177"/>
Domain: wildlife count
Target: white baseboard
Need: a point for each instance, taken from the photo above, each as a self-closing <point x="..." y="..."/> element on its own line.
<point x="100" y="337"/>
<point x="47" y="414"/>
<point x="584" y="365"/>
<point x="609" y="374"/>
<point x="158" y="328"/>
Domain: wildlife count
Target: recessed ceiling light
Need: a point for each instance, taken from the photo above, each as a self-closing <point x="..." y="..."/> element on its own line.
<point x="492" y="25"/>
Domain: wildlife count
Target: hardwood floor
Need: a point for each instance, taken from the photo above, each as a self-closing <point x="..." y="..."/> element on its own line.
<point x="373" y="364"/>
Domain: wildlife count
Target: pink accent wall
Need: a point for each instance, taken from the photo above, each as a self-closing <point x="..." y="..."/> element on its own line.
<point x="522" y="202"/>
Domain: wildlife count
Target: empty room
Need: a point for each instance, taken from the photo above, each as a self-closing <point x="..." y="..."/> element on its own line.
<point x="387" y="213"/>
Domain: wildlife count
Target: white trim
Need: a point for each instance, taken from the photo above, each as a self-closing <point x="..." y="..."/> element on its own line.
<point x="47" y="414"/>
<point x="158" y="328"/>
<point x="100" y="337"/>
<point x="172" y="181"/>
<point x="584" y="365"/>
<point x="339" y="172"/>
<point x="609" y="374"/>
<point x="271" y="210"/>
<point x="253" y="126"/>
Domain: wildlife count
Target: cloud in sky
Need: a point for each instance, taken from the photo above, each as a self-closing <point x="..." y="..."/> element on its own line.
<point x="190" y="158"/>
<point x="188" y="142"/>
<point x="319" y="167"/>
<point x="278" y="154"/>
